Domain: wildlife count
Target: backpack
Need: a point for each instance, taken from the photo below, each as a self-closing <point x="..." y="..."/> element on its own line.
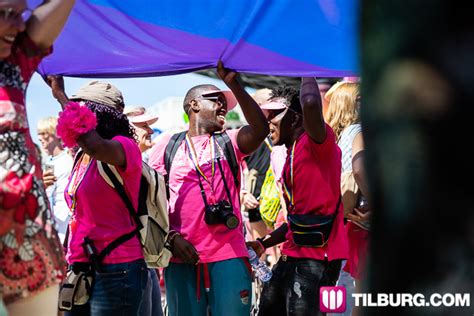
<point x="270" y="205"/>
<point x="269" y="199"/>
<point x="223" y="140"/>
<point x="151" y="219"/>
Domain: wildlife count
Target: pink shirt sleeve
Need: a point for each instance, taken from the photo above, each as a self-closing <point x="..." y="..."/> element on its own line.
<point x="233" y="137"/>
<point x="132" y="155"/>
<point x="277" y="160"/>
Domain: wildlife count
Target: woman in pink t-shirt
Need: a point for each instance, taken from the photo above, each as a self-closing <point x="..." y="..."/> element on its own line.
<point x="99" y="215"/>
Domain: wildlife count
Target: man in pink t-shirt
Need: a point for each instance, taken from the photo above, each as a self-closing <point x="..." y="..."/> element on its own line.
<point x="311" y="181"/>
<point x="209" y="268"/>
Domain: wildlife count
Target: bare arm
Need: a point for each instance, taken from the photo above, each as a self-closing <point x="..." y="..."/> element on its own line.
<point x="108" y="151"/>
<point x="57" y="87"/>
<point x="358" y="163"/>
<point x="47" y="21"/>
<point x="313" y="121"/>
<point x="252" y="135"/>
<point x="276" y="237"/>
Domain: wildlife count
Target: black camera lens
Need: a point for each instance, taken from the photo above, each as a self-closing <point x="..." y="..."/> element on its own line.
<point x="231" y="221"/>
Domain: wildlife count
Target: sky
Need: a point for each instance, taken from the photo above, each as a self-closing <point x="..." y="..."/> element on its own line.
<point x="136" y="91"/>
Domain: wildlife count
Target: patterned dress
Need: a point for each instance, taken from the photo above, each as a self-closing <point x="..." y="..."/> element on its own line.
<point x="31" y="257"/>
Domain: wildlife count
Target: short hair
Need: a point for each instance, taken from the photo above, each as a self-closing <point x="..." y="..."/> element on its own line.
<point x="195" y="92"/>
<point x="290" y="96"/>
<point x="48" y="125"/>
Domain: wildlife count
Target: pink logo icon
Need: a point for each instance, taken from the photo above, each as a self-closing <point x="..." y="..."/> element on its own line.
<point x="332" y="299"/>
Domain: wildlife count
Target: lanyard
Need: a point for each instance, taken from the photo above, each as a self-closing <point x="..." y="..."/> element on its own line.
<point x="270" y="147"/>
<point x="194" y="159"/>
<point x="290" y="194"/>
<point x="77" y="176"/>
<point x="192" y="155"/>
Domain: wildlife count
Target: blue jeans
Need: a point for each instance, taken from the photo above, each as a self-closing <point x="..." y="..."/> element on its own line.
<point x="294" y="287"/>
<point x="155" y="294"/>
<point x="117" y="290"/>
<point x="347" y="281"/>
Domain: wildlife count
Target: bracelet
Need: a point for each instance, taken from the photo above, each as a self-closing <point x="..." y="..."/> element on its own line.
<point x="73" y="122"/>
<point x="260" y="242"/>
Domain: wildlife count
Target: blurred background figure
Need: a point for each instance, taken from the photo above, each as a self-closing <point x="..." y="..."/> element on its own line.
<point x="343" y="117"/>
<point x="417" y="121"/>
<point x="141" y="121"/>
<point x="31" y="258"/>
<point x="56" y="169"/>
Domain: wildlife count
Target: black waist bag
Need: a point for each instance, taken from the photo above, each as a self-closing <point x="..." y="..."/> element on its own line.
<point x="312" y="230"/>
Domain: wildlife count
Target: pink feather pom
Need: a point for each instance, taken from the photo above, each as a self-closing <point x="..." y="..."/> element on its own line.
<point x="74" y="121"/>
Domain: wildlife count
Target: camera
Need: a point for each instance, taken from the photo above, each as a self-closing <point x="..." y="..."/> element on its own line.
<point x="221" y="213"/>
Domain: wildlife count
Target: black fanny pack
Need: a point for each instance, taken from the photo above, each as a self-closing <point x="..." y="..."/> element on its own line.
<point x="312" y="230"/>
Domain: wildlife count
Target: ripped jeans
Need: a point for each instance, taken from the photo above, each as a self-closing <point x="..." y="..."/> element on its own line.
<point x="294" y="288"/>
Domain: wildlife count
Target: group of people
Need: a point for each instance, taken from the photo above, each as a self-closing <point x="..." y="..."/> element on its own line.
<point x="209" y="271"/>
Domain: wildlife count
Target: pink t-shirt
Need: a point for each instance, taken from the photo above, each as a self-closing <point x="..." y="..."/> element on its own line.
<point x="278" y="158"/>
<point x="186" y="205"/>
<point x="101" y="214"/>
<point x="317" y="176"/>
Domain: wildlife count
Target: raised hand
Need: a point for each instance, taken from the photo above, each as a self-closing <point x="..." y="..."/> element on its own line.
<point x="57" y="88"/>
<point x="228" y="76"/>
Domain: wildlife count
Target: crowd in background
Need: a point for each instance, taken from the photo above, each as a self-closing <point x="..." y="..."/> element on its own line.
<point x="254" y="188"/>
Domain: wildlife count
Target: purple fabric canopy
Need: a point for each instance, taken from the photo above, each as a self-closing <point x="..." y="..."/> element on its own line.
<point x="136" y="38"/>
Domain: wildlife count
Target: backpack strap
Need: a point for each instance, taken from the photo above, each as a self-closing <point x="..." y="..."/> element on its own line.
<point x="225" y="143"/>
<point x="223" y="140"/>
<point x="170" y="152"/>
<point x="123" y="195"/>
<point x="172" y="148"/>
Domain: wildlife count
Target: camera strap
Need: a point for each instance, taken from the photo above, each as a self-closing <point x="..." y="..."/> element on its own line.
<point x="200" y="173"/>
<point x="225" y="182"/>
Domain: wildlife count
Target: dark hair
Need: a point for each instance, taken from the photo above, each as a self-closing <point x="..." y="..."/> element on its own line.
<point x="290" y="95"/>
<point x="195" y="92"/>
<point x="110" y="122"/>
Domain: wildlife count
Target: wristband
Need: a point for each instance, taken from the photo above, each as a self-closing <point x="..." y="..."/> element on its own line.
<point x="260" y="242"/>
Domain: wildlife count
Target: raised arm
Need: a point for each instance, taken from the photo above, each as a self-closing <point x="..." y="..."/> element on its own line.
<point x="313" y="121"/>
<point x="252" y="135"/>
<point x="108" y="151"/>
<point x="47" y="21"/>
<point x="57" y="88"/>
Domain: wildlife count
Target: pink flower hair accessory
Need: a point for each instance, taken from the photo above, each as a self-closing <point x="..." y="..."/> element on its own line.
<point x="73" y="122"/>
